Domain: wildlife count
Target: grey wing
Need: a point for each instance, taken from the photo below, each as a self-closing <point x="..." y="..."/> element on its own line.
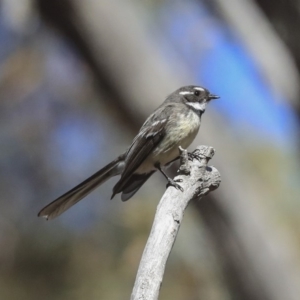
<point x="150" y="135"/>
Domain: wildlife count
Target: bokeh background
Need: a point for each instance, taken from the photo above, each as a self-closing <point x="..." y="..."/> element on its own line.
<point x="78" y="78"/>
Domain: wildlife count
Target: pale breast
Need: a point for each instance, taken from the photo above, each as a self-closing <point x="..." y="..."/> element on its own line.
<point x="181" y="133"/>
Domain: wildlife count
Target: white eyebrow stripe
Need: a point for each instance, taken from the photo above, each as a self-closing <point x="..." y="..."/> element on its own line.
<point x="199" y="89"/>
<point x="186" y="93"/>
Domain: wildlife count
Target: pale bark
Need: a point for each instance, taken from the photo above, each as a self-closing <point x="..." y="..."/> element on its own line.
<point x="197" y="180"/>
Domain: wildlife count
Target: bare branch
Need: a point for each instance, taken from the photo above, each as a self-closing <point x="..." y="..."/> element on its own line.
<point x="197" y="180"/>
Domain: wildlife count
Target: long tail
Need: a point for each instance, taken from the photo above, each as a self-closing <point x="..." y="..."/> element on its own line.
<point x="71" y="197"/>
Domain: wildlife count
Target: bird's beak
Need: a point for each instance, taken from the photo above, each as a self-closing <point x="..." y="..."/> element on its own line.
<point x="212" y="97"/>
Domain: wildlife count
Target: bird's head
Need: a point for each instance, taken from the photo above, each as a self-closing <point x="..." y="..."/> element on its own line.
<point x="195" y="97"/>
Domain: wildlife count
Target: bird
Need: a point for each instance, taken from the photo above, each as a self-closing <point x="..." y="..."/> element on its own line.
<point x="175" y="123"/>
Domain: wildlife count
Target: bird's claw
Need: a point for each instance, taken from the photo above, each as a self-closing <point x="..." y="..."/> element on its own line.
<point x="192" y="156"/>
<point x="172" y="182"/>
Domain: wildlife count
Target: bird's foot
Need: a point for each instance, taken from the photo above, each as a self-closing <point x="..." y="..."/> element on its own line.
<point x="193" y="155"/>
<point x="172" y="182"/>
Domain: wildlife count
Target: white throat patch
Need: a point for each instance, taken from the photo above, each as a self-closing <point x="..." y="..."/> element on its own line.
<point x="197" y="106"/>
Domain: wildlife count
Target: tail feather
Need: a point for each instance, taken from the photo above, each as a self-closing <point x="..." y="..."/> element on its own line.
<point x="71" y="197"/>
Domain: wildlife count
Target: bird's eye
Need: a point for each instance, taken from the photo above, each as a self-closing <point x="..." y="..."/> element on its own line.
<point x="196" y="93"/>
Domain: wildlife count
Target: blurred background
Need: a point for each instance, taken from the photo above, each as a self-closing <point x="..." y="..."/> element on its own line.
<point x="78" y="78"/>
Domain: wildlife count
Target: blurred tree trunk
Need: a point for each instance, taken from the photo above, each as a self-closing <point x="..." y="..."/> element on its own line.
<point x="285" y="17"/>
